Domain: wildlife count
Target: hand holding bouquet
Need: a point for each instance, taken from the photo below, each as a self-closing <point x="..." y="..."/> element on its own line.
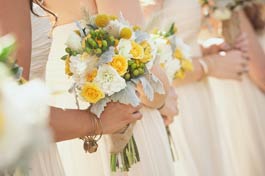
<point x="106" y="59"/>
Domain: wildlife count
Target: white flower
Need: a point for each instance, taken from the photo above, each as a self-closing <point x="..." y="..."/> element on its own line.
<point x="222" y="14"/>
<point x="164" y="50"/>
<point x="109" y="80"/>
<point x="113" y="28"/>
<point x="178" y="43"/>
<point x="80" y="65"/>
<point x="171" y="68"/>
<point x="25" y="128"/>
<point x="74" y="42"/>
<point x="124" y="47"/>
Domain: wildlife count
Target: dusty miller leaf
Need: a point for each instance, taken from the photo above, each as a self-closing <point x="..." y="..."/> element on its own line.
<point x="156" y="84"/>
<point x="127" y="96"/>
<point x="147" y="87"/>
<point x="107" y="56"/>
<point x="99" y="107"/>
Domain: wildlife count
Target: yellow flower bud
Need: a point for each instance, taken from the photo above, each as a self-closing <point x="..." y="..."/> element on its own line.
<point x="137" y="51"/>
<point x="126" y="33"/>
<point x="102" y="20"/>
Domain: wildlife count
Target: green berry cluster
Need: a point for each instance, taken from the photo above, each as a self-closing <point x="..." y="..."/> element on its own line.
<point x="98" y="41"/>
<point x="135" y="69"/>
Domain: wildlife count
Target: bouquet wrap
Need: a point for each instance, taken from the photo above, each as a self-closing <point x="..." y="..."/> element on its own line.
<point x="118" y="141"/>
<point x="231" y="29"/>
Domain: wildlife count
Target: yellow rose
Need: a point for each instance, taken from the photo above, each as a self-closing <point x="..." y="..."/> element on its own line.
<point x="178" y="54"/>
<point x="186" y="65"/>
<point x="180" y="74"/>
<point x="2" y="123"/>
<point x="120" y="64"/>
<point x="67" y="67"/>
<point x="91" y="75"/>
<point x="147" y="52"/>
<point x="126" y="33"/>
<point x="92" y="93"/>
<point x="137" y="51"/>
<point x="102" y="20"/>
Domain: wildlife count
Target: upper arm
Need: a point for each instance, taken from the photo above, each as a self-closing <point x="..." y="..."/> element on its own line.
<point x="256" y="53"/>
<point x="92" y="7"/>
<point x="15" y="19"/>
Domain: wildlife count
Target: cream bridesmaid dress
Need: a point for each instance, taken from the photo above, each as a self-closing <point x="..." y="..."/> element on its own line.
<point x="44" y="163"/>
<point x="150" y="133"/>
<point x="240" y="110"/>
<point x="195" y="130"/>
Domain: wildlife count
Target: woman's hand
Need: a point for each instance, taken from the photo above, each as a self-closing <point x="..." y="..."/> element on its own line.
<point x="242" y="44"/>
<point x="170" y="109"/>
<point x="116" y="116"/>
<point x="230" y="66"/>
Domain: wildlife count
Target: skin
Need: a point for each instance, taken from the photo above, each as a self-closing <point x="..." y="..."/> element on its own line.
<point x="254" y="52"/>
<point x="66" y="124"/>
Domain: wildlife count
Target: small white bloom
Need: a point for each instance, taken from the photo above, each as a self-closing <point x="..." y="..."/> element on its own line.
<point x="171" y="68"/>
<point x="164" y="51"/>
<point x="113" y="28"/>
<point x="74" y="42"/>
<point x="109" y="80"/>
<point x="124" y="48"/>
<point x="178" y="43"/>
<point x="222" y="14"/>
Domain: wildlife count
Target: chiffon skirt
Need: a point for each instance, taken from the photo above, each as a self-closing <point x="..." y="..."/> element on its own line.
<point x="241" y="109"/>
<point x="195" y="132"/>
<point x="47" y="163"/>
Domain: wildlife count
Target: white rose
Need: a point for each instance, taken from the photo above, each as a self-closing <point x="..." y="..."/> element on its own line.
<point x="124" y="47"/>
<point x="109" y="80"/>
<point x="74" y="42"/>
<point x="113" y="28"/>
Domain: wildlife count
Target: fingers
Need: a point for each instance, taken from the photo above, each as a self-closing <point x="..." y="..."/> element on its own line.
<point x="137" y="116"/>
<point x="242" y="43"/>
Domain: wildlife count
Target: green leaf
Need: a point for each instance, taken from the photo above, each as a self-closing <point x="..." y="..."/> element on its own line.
<point x="64" y="57"/>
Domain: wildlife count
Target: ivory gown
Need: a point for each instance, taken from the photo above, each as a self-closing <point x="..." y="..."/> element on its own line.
<point x="222" y="121"/>
<point x="45" y="163"/>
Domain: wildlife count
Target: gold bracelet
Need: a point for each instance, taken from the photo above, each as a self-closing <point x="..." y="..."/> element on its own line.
<point x="90" y="142"/>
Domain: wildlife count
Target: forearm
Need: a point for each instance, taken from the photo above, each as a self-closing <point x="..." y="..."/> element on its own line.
<point x="255" y="53"/>
<point x="92" y="8"/>
<point x="70" y="124"/>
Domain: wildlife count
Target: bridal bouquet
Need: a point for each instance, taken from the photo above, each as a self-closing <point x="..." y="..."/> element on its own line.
<point x="106" y="58"/>
<point x="173" y="54"/>
<point x="23" y="115"/>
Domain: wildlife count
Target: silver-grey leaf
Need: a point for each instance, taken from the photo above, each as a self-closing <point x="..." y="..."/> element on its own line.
<point x="99" y="107"/>
<point x="127" y="96"/>
<point x="157" y="85"/>
<point x="147" y="87"/>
